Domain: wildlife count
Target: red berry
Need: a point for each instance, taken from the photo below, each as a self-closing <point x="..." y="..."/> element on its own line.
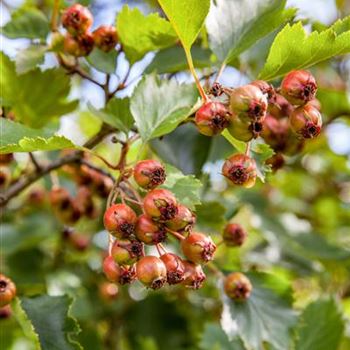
<point x="108" y="291"/>
<point x="306" y="121"/>
<point x="127" y="252"/>
<point x="78" y="46"/>
<point x="266" y="88"/>
<point x="77" y="19"/>
<point x="276" y="162"/>
<point x="160" y="205"/>
<point x="120" y="220"/>
<point x="183" y="221"/>
<point x="148" y="231"/>
<point x="237" y="286"/>
<point x="248" y="102"/>
<point x="280" y="107"/>
<point x="79" y="242"/>
<point x="7" y="290"/>
<point x="234" y="235"/>
<point x="5" y="312"/>
<point x="275" y="132"/>
<point x="212" y="118"/>
<point x="151" y="272"/>
<point x="194" y="275"/>
<point x="6" y="158"/>
<point x="85" y="203"/>
<point x="111" y="269"/>
<point x="240" y="169"/>
<point x="299" y="87"/>
<point x="149" y="174"/>
<point x="198" y="248"/>
<point x="105" y="38"/>
<point x="174" y="267"/>
<point x="37" y="196"/>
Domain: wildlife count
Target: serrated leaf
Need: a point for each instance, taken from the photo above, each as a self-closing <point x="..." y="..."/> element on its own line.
<point x="116" y="113"/>
<point x="240" y="146"/>
<point x="16" y="137"/>
<point x="52" y="322"/>
<point x="185" y="187"/>
<point x="260" y="153"/>
<point x="173" y="59"/>
<point x="27" y="23"/>
<point x="293" y="48"/>
<point x="105" y="62"/>
<point x="158" y="106"/>
<point x="320" y="326"/>
<point x="36" y="97"/>
<point x="265" y="317"/>
<point x="211" y="215"/>
<point x="233" y="26"/>
<point x="140" y="34"/>
<point x="187" y="18"/>
<point x="29" y="58"/>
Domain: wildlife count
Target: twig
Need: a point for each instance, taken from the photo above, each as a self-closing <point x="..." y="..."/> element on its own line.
<point x="221" y="70"/>
<point x="175" y="234"/>
<point x="34" y="161"/>
<point x="247" y="150"/>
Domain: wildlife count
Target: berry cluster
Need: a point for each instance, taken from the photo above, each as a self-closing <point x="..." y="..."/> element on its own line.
<point x="283" y="117"/>
<point x="157" y="215"/>
<point x="78" y="41"/>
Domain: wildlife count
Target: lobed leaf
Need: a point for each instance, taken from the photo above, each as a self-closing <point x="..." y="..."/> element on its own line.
<point x="105" y="62"/>
<point x="29" y="58"/>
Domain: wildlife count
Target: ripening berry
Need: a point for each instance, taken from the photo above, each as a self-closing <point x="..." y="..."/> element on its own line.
<point x="212" y="118"/>
<point x="127" y="252"/>
<point x="7" y="290"/>
<point x="6" y="158"/>
<point x="183" y="221"/>
<point x="237" y="286"/>
<point x="120" y="220"/>
<point x="240" y="169"/>
<point x="77" y="19"/>
<point x="108" y="291"/>
<point x="148" y="231"/>
<point x="240" y="129"/>
<point x="111" y="269"/>
<point x="275" y="132"/>
<point x="78" y="46"/>
<point x="306" y="121"/>
<point x="198" y="248"/>
<point x="36" y="196"/>
<point x="5" y="312"/>
<point x="194" y="275"/>
<point x="85" y="203"/>
<point x="248" y="102"/>
<point x="174" y="267"/>
<point x="79" y="242"/>
<point x="149" y="173"/>
<point x="234" y="235"/>
<point x="276" y="162"/>
<point x="105" y="38"/>
<point x="299" y="87"/>
<point x="151" y="272"/>
<point x="266" y="88"/>
<point x="160" y="205"/>
<point x="280" y="108"/>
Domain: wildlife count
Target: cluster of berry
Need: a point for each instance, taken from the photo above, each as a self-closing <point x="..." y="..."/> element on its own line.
<point x="78" y="41"/>
<point x="160" y="215"/>
<point x="7" y="293"/>
<point x="283" y="117"/>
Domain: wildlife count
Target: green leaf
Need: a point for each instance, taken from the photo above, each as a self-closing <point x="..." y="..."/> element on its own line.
<point x="261" y="152"/>
<point x="240" y="146"/>
<point x="29" y="58"/>
<point x="16" y="137"/>
<point x="27" y="23"/>
<point x="173" y="60"/>
<point x="105" y="62"/>
<point x="187" y="18"/>
<point x="36" y="97"/>
<point x="116" y="113"/>
<point x="266" y="316"/>
<point x="211" y="215"/>
<point x="140" y="34"/>
<point x="320" y="326"/>
<point x="293" y="48"/>
<point x="234" y="26"/>
<point x="52" y="322"/>
<point x="185" y="187"/>
<point x="159" y="106"/>
<point x="334" y="102"/>
<point x="214" y="338"/>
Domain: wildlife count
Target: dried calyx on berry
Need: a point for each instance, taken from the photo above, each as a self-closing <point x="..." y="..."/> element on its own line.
<point x="148" y="231"/>
<point x="120" y="220"/>
<point x="266" y="88"/>
<point x="175" y="268"/>
<point x="160" y="205"/>
<point x="105" y="38"/>
<point x="234" y="235"/>
<point x="118" y="274"/>
<point x="240" y="169"/>
<point x="149" y="174"/>
<point x="299" y="87"/>
<point x="127" y="252"/>
<point x="198" y="248"/>
<point x="151" y="271"/>
<point x="194" y="275"/>
<point x="237" y="286"/>
<point x="212" y="118"/>
<point x="78" y="46"/>
<point x="77" y="19"/>
<point x="306" y="121"/>
<point x="183" y="221"/>
<point x="7" y="290"/>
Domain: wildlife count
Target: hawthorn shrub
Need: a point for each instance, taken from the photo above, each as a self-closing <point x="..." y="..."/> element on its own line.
<point x="141" y="212"/>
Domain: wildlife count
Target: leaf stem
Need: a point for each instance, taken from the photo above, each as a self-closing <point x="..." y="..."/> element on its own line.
<point x="175" y="234"/>
<point x="54" y="17"/>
